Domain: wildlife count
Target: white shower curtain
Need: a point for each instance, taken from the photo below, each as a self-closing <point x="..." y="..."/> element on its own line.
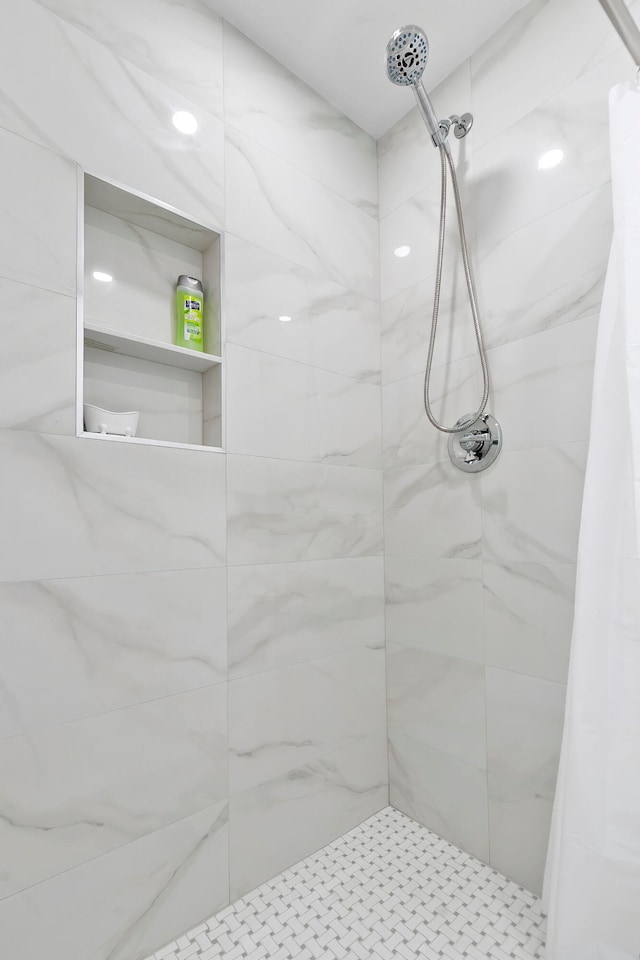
<point x="592" y="882"/>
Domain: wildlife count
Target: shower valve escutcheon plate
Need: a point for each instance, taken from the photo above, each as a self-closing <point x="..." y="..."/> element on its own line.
<point x="476" y="446"/>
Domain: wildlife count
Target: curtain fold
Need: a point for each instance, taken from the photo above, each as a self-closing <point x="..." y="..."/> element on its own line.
<point x="592" y="881"/>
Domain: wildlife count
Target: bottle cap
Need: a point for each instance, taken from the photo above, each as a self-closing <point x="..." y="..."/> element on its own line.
<point x="192" y="282"/>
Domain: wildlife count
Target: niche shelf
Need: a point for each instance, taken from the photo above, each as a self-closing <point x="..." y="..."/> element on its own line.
<point x="127" y="358"/>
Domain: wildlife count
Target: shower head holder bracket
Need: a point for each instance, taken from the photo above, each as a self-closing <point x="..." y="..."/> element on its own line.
<point x="461" y="125"/>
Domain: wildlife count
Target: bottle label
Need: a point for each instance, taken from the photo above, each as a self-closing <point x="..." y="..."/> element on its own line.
<point x="192" y="311"/>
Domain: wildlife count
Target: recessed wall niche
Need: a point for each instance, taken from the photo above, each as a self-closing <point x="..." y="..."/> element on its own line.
<point x="131" y="251"/>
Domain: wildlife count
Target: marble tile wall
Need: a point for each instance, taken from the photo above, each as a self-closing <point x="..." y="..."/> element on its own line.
<point x="480" y="569"/>
<point x="192" y="669"/>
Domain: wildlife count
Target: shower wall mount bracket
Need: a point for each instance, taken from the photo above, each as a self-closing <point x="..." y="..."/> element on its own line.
<point x="477" y="444"/>
<point x="461" y="125"/>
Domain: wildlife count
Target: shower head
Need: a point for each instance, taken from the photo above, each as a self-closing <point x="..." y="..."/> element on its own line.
<point x="407" y="55"/>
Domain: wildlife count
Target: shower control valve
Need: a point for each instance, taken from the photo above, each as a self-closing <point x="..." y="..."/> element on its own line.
<point x="477" y="444"/>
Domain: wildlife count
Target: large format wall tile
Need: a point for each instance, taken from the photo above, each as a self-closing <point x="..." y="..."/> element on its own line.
<point x="575" y="121"/>
<point x="444" y="793"/>
<point x="531" y="504"/>
<point x="38" y="210"/>
<point x="281" y="408"/>
<point x="535" y="380"/>
<point x="529" y="60"/>
<point x="284" y="613"/>
<point x="432" y="511"/>
<point x="125" y="903"/>
<point x="406" y="320"/>
<point x="282" y="510"/>
<point x="73" y="507"/>
<point x="37" y="359"/>
<point x="120" y="125"/>
<point x="430" y="605"/>
<point x="266" y="102"/>
<point x="280" y="822"/>
<point x="76" y="647"/>
<point x="177" y="44"/>
<point x="331" y="327"/>
<point x="415" y="224"/>
<point x="288" y="717"/>
<point x="438" y="700"/>
<point x="528" y="616"/>
<point x="548" y="273"/>
<point x="273" y="204"/>
<point x="76" y="790"/>
<point x="524" y="730"/>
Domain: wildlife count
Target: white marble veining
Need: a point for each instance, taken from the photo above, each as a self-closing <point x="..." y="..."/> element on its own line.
<point x="74" y="791"/>
<point x="281" y="614"/>
<point x="524" y="729"/>
<point x="323" y="705"/>
<point x="281" y="510"/>
<point x="531" y="506"/>
<point x="406" y="321"/>
<point x="531" y="398"/>
<point x="548" y="273"/>
<point x="509" y="189"/>
<point x="120" y="127"/>
<point x="279" y="822"/>
<point x="531" y="378"/>
<point x="415" y="223"/>
<point x="177" y="44"/>
<point x="281" y="408"/>
<point x="429" y="603"/>
<point x="432" y="511"/>
<point x="455" y="390"/>
<point x="124" y="903"/>
<point x="37" y="359"/>
<point x="38" y="203"/>
<point x="80" y="507"/>
<point x="273" y="204"/>
<point x="528" y="616"/>
<point x="440" y="791"/>
<point x="76" y="647"/>
<point x="529" y="60"/>
<point x="438" y="700"/>
<point x="266" y="102"/>
<point x="331" y="327"/>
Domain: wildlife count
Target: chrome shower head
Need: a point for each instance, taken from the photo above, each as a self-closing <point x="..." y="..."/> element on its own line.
<point x="407" y="55"/>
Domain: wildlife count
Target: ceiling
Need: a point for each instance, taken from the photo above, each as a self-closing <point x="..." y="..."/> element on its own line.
<point x="337" y="46"/>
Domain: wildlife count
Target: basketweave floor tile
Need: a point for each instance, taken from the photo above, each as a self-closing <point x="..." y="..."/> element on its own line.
<point x="390" y="889"/>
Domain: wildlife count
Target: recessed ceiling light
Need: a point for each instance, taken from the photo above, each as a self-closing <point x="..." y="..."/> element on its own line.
<point x="402" y="251"/>
<point x="550" y="159"/>
<point x="185" y="122"/>
<point x="104" y="277"/>
<point x="284" y="319"/>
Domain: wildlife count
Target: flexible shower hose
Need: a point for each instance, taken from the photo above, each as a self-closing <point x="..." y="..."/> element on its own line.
<point x="446" y="160"/>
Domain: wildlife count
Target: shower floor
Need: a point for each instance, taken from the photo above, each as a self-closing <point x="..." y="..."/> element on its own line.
<point x="389" y="889"/>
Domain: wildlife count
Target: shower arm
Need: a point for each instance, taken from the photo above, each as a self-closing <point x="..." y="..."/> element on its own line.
<point x="626" y="26"/>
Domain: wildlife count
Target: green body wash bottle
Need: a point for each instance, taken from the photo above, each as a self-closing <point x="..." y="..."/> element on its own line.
<point x="189" y="306"/>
